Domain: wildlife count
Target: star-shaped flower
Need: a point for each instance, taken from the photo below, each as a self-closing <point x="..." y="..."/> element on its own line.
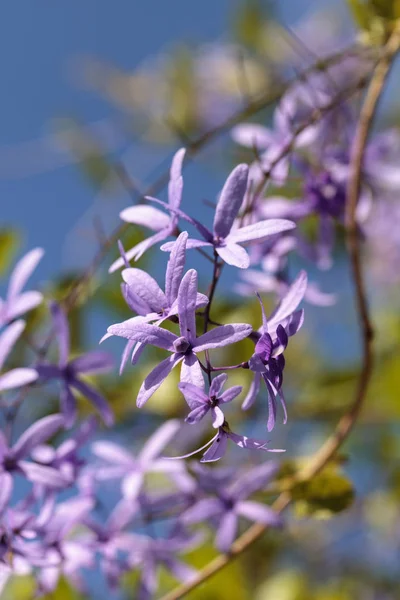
<point x="227" y="238"/>
<point x="67" y="372"/>
<point x="184" y="348"/>
<point x="156" y="220"/>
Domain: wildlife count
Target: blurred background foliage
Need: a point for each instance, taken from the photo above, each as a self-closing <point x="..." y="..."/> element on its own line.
<point x="342" y="539"/>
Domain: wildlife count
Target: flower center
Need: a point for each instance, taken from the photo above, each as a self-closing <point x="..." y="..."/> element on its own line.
<point x="181" y="345"/>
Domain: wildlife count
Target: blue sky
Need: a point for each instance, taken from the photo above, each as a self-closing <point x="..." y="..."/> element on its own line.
<point x="41" y="43"/>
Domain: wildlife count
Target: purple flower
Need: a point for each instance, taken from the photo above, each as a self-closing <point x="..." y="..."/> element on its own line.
<point x="268" y="361"/>
<point x="65" y="457"/>
<point x="15" y="377"/>
<point x="64" y="556"/>
<point x="230" y="503"/>
<point x="226" y="238"/>
<point x="184" y="348"/>
<point x="67" y="372"/>
<point x="13" y="459"/>
<point x="201" y="403"/>
<point x="133" y="469"/>
<point x="143" y="295"/>
<point x="148" y="216"/>
<point x="293" y="110"/>
<point x="148" y="554"/>
<point x="18" y="302"/>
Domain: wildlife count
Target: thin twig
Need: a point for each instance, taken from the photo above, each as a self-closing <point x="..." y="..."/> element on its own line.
<point x="346" y="423"/>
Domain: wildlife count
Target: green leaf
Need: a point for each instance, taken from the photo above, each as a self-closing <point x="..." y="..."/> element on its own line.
<point x="328" y="493"/>
<point x="9" y="242"/>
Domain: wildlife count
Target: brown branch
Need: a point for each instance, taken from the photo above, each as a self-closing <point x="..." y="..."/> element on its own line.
<point x="346" y="423"/>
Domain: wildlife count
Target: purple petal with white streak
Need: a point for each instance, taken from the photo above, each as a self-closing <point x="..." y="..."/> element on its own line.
<point x="134" y="329"/>
<point x="234" y="255"/>
<point x="144" y="286"/>
<point x="260" y="231"/>
<point x="222" y="336"/>
<point x="230" y="200"/>
<point x="175" y="268"/>
<point x="145" y="215"/>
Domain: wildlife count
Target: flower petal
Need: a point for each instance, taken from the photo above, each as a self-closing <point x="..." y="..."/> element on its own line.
<point x="145" y="215"/>
<point x="290" y="302"/>
<point x="203" y="510"/>
<point x="259" y="513"/>
<point x="22" y="271"/>
<point x="252" y="135"/>
<point x="112" y="453"/>
<point x="23" y="303"/>
<point x="230" y="394"/>
<point x="62" y="330"/>
<point x="144" y="286"/>
<point x="68" y="406"/>
<point x="260" y="231"/>
<point x="175" y="184"/>
<point x="222" y="336"/>
<point x="234" y="255"/>
<point x="137" y="251"/>
<point x="17" y="378"/>
<point x="8" y="338"/>
<point x="193" y="395"/>
<point x="226" y="531"/>
<point x="253" y="392"/>
<point x="6" y="486"/>
<point x="37" y="434"/>
<point x="96" y="399"/>
<point x="217" y="449"/>
<point x="93" y="362"/>
<point x="175" y="267"/>
<point x="187" y="298"/>
<point x="135" y="329"/>
<point x="191" y="371"/>
<point x="230" y="200"/>
<point x="217" y="384"/>
<point x="155" y="378"/>
<point x="157" y="442"/>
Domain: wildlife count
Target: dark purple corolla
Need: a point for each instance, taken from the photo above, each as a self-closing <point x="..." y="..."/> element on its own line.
<point x="201" y="403"/>
<point x="68" y="372"/>
<point x="268" y="361"/>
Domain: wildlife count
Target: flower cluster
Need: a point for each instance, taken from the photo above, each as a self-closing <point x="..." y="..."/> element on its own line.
<point x="58" y="529"/>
